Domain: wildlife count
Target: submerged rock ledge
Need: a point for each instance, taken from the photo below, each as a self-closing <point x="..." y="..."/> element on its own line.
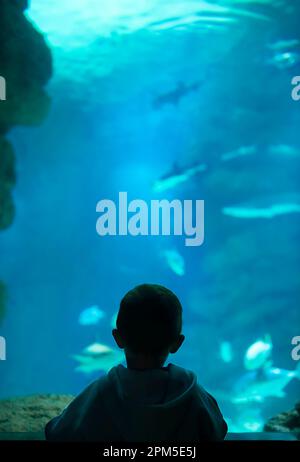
<point x="24" y="418"/>
<point x="30" y="414"/>
<point x="285" y="422"/>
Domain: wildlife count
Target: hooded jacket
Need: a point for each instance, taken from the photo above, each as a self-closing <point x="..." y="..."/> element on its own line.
<point x="127" y="405"/>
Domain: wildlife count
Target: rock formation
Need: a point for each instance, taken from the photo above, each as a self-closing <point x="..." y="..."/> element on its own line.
<point x="285" y="422"/>
<point x="31" y="413"/>
<point x="25" y="66"/>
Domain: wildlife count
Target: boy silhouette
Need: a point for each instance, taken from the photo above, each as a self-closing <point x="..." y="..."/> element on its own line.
<point x="145" y="402"/>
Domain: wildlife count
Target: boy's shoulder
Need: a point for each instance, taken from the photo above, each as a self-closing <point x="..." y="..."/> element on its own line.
<point x="97" y="385"/>
<point x="189" y="376"/>
<point x="94" y="390"/>
<point x="178" y="371"/>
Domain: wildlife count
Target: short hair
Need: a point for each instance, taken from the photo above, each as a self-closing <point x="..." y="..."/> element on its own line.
<point x="149" y="319"/>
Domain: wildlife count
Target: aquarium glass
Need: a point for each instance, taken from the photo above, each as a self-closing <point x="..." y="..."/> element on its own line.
<point x="162" y="100"/>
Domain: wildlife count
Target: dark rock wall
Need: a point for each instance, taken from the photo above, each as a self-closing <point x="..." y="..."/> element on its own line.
<point x="26" y="65"/>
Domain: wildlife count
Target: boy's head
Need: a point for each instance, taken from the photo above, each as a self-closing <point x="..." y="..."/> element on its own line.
<point x="149" y="322"/>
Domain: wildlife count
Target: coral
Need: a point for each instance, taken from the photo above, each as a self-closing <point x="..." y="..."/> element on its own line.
<point x="31" y="413"/>
<point x="26" y="66"/>
<point x="285" y="422"/>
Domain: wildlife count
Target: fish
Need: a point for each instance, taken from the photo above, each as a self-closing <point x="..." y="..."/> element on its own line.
<point x="284" y="150"/>
<point x="173" y="97"/>
<point x="248" y="420"/>
<point x="280" y="45"/>
<point x="240" y="152"/>
<point x="96" y="349"/>
<point x="284" y="60"/>
<point x="258" y="354"/>
<point x="98" y="357"/>
<point x="270" y="208"/>
<point x="226" y="353"/>
<point x="182" y="89"/>
<point x="175" y="261"/>
<point x="268" y="384"/>
<point x="177" y="176"/>
<point x="91" y="316"/>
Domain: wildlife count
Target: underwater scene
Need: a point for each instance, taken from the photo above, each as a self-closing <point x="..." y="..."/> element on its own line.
<point x="161" y="100"/>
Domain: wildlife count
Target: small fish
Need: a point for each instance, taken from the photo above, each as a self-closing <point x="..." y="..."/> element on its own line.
<point x="271" y="383"/>
<point x="240" y="152"/>
<point x="175" y="261"/>
<point x="249" y="420"/>
<point x="98" y="357"/>
<point x="177" y="176"/>
<point x="91" y="316"/>
<point x="284" y="60"/>
<point x="226" y="353"/>
<point x="258" y="354"/>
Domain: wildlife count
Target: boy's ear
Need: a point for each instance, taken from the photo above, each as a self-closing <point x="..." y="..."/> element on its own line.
<point x="177" y="344"/>
<point x="118" y="338"/>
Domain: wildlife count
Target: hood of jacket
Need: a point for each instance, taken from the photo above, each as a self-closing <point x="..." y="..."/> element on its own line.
<point x="150" y="405"/>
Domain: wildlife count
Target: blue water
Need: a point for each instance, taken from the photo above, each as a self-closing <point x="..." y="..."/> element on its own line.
<point x="103" y="135"/>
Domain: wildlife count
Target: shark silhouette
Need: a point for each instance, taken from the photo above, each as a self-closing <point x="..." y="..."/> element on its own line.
<point x="173" y="97"/>
<point x="178" y="176"/>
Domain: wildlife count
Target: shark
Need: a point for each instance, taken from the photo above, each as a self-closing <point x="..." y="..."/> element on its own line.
<point x="284" y="150"/>
<point x="173" y="97"/>
<point x="91" y="316"/>
<point x="240" y="152"/>
<point x="177" y="176"/>
<point x="98" y="357"/>
<point x="266" y="383"/>
<point x="175" y="261"/>
<point x="268" y="208"/>
<point x="280" y="45"/>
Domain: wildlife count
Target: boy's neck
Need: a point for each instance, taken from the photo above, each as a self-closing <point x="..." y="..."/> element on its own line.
<point x="144" y="362"/>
